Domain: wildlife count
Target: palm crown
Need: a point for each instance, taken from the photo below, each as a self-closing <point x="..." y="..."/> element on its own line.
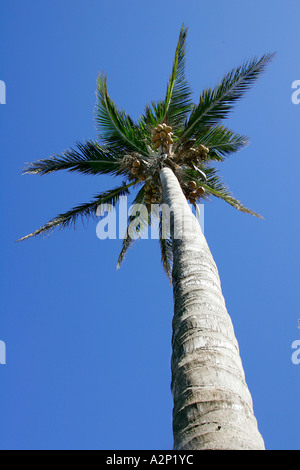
<point x="173" y="132"/>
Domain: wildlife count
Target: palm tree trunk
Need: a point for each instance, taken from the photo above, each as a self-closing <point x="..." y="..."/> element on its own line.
<point x="212" y="403"/>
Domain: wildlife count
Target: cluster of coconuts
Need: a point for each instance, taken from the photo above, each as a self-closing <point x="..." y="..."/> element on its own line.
<point x="192" y="192"/>
<point x="137" y="170"/>
<point x="192" y="154"/>
<point x="151" y="193"/>
<point x="198" y="153"/>
<point x="162" y="136"/>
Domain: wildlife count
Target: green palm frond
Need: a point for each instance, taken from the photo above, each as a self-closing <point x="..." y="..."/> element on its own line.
<point x="144" y="223"/>
<point x="126" y="244"/>
<point x="88" y="209"/>
<point x="177" y="103"/>
<point x="87" y="158"/>
<point x="116" y="129"/>
<point x="215" y="104"/>
<point x="227" y="197"/>
<point x="216" y="187"/>
<point x="221" y="141"/>
<point x="154" y="113"/>
<point x="166" y="250"/>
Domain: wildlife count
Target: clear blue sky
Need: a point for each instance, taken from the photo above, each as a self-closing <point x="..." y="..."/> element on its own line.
<point x="88" y="347"/>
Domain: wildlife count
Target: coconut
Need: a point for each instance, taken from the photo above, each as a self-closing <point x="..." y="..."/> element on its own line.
<point x="200" y="191"/>
<point x="162" y="135"/>
<point x="203" y="149"/>
<point x="134" y="171"/>
<point x="168" y="129"/>
<point x="192" y="185"/>
<point x="136" y="164"/>
<point x="157" y="144"/>
<point x="159" y="127"/>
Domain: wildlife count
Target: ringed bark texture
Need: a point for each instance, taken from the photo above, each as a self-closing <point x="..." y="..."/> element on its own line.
<point x="212" y="403"/>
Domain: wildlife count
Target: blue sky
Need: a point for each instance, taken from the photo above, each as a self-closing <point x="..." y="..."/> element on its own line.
<point x="88" y="347"/>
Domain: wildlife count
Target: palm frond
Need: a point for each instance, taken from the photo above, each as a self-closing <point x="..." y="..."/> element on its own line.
<point x="128" y="241"/>
<point x="152" y="114"/>
<point x="88" y="158"/>
<point x="85" y="210"/>
<point x="177" y="103"/>
<point x="216" y="187"/>
<point x="215" y="104"/>
<point x="116" y="128"/>
<point x="221" y="141"/>
<point x="166" y="251"/>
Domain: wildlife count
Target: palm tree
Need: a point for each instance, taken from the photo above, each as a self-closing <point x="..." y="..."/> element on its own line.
<point x="167" y="157"/>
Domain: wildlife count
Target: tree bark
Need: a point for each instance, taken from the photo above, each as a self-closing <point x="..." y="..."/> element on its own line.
<point x="212" y="403"/>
